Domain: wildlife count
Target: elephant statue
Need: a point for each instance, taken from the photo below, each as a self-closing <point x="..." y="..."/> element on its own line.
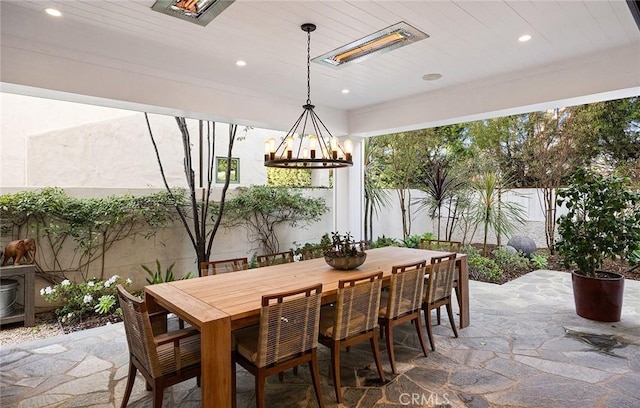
<point x="16" y="250"/>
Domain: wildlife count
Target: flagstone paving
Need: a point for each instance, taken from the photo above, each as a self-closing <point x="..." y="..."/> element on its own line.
<point x="525" y="347"/>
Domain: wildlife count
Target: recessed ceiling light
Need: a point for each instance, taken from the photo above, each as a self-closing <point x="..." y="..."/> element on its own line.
<point x="345" y="91"/>
<point x="53" y="12"/>
<point x="432" y="77"/>
<point x="241" y="63"/>
<point x="524" y="38"/>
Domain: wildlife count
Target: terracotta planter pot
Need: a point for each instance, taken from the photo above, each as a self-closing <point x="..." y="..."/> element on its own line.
<point x="599" y="298"/>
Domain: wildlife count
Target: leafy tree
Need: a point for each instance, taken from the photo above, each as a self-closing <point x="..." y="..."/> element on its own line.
<point x="261" y="209"/>
<point x="196" y="214"/>
<point x="613" y="128"/>
<point x="602" y="221"/>
<point x="554" y="151"/>
<point x="442" y="185"/>
<point x="490" y="211"/>
<point x="288" y="177"/>
<point x="375" y="196"/>
<point x="403" y="156"/>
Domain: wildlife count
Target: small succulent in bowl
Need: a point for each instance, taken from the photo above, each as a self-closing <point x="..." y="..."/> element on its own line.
<point x="343" y="246"/>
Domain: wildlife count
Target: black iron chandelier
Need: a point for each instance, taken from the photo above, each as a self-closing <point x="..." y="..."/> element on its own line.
<point x="313" y="149"/>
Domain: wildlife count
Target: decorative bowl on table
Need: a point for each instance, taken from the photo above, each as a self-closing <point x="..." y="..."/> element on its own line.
<point x="345" y="262"/>
<point x="344" y="253"/>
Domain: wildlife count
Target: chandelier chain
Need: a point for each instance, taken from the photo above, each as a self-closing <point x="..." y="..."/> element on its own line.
<point x="308" y="67"/>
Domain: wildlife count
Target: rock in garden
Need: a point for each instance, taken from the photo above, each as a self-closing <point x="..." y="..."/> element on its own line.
<point x="523" y="244"/>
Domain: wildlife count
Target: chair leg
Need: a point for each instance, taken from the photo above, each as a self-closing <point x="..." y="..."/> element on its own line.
<point x="158" y="394"/>
<point x="375" y="347"/>
<point x="453" y="324"/>
<point x="438" y="315"/>
<point x="130" y="379"/>
<point x="260" y="394"/>
<point x="315" y="376"/>
<point x="335" y="364"/>
<point x="388" y="332"/>
<point x="427" y="322"/>
<point x="416" y="322"/>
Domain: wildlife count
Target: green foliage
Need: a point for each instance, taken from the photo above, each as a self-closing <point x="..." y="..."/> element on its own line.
<point x="157" y="276"/>
<point x="483" y="268"/>
<point x="490" y="211"/>
<point x="105" y="304"/>
<point x="602" y="220"/>
<point x="509" y="259"/>
<point x="86" y="226"/>
<point x="343" y="245"/>
<point x="470" y="251"/>
<point x="539" y="260"/>
<point x="375" y="196"/>
<point x="384" y="242"/>
<point x="261" y="209"/>
<point x="442" y="185"/>
<point x="80" y="300"/>
<point x="253" y="262"/>
<point x="412" y="241"/>
<point x="325" y="242"/>
<point x="288" y="177"/>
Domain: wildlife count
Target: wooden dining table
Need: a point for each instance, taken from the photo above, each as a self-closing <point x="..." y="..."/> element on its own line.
<point x="218" y="304"/>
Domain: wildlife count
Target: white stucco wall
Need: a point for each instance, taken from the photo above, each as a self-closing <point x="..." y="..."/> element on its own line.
<point x="389" y="221"/>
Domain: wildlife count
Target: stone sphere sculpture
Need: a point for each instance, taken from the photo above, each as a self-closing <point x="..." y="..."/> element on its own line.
<point x="523" y="244"/>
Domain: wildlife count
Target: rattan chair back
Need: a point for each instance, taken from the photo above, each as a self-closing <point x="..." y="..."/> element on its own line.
<point x="224" y="266"/>
<point x="312" y="253"/>
<point x="289" y="324"/>
<point x="138" y="331"/>
<point x="441" y="276"/>
<point x="357" y="305"/>
<point x="440" y="245"/>
<point x="275" y="259"/>
<point x="405" y="290"/>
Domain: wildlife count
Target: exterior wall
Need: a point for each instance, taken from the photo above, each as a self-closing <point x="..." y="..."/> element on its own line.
<point x="389" y="221"/>
<point x="52" y="143"/>
<point x="172" y="244"/>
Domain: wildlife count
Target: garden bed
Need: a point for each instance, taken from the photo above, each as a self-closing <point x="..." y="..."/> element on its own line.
<point x="47" y="324"/>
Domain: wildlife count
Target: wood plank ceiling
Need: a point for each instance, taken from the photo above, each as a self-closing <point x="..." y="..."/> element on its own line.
<point x="469" y="41"/>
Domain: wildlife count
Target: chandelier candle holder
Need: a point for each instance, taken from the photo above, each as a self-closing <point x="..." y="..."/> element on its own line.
<point x="316" y="148"/>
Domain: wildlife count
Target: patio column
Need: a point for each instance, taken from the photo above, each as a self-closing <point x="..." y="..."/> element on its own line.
<point x="348" y="194"/>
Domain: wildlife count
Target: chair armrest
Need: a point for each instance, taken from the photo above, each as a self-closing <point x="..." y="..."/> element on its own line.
<point x="175" y="336"/>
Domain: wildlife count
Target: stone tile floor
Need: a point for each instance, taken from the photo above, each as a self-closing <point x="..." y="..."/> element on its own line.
<point x="525" y="347"/>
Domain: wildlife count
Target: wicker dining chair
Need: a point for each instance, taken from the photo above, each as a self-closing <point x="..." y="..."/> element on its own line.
<point x="163" y="359"/>
<point x="402" y="303"/>
<point x="440" y="245"/>
<point x="438" y="293"/>
<point x="223" y="266"/>
<point x="351" y="320"/>
<point x="286" y="337"/>
<point x="448" y="246"/>
<point x="312" y="253"/>
<point x="275" y="259"/>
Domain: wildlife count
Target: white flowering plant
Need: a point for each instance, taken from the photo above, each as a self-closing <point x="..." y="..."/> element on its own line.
<point x="83" y="299"/>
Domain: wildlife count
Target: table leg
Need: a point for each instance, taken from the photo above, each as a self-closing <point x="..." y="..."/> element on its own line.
<point x="215" y="343"/>
<point x="463" y="288"/>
